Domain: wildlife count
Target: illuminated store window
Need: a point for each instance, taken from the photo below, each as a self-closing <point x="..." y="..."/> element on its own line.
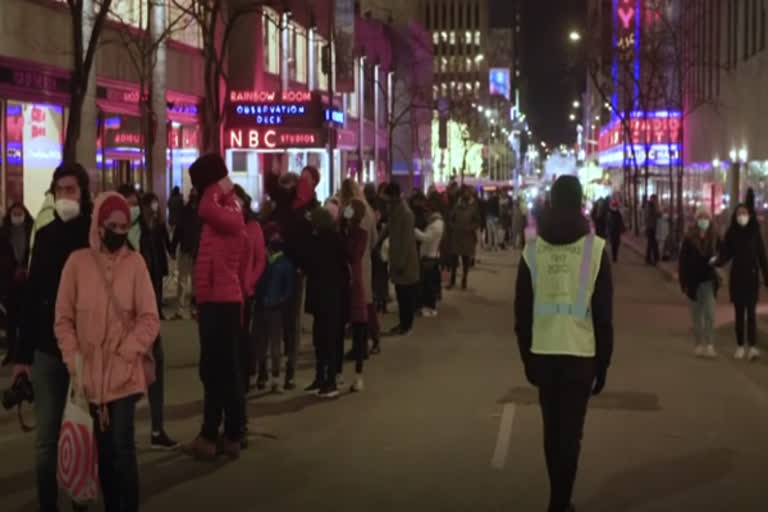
<point x="34" y="134"/>
<point x="270" y="22"/>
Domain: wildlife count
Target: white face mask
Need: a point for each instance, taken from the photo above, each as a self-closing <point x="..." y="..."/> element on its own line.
<point x="154" y="207"/>
<point x="743" y="220"/>
<point x="17" y="220"/>
<point x="67" y="209"/>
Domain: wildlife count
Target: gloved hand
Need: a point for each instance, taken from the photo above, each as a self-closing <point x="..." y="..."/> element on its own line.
<point x="599" y="384"/>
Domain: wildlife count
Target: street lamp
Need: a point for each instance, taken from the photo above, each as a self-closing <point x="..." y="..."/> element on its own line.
<point x="572" y="117"/>
<point x="574" y="36"/>
<point x="716" y="163"/>
<point x="743" y="154"/>
<point x="576" y="104"/>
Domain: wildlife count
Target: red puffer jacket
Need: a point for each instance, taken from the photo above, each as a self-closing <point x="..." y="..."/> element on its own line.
<point x="223" y="266"/>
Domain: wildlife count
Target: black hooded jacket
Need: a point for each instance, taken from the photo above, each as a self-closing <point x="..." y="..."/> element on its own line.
<point x="53" y="245"/>
<point x="563" y="228"/>
<point x="744" y="248"/>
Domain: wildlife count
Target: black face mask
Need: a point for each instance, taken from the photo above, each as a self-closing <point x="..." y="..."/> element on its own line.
<point x="113" y="242"/>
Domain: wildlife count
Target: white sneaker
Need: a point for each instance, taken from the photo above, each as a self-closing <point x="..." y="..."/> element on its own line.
<point x="358" y="385"/>
<point x="753" y="353"/>
<point x="710" y="351"/>
<point x="429" y="313"/>
<point x="739" y="353"/>
<point x="699" y="350"/>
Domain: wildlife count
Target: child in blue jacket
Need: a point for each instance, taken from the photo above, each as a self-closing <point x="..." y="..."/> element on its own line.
<point x="275" y="289"/>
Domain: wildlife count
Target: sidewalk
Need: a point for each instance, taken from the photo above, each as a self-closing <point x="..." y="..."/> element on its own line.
<point x="637" y="244"/>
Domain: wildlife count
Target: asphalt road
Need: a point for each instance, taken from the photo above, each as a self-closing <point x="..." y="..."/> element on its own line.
<point x="447" y="422"/>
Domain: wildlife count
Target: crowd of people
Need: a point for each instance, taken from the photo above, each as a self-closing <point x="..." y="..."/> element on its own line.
<point x="83" y="288"/>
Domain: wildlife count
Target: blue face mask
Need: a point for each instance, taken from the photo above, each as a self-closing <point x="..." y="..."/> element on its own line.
<point x="703" y="224"/>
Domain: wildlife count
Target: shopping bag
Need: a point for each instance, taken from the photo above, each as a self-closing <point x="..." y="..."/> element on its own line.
<point x="77" y="469"/>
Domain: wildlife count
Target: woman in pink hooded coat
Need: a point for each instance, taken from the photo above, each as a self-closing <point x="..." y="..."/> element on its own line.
<point x="106" y="313"/>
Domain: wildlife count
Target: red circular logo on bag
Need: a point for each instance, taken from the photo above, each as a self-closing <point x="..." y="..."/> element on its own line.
<point x="77" y="468"/>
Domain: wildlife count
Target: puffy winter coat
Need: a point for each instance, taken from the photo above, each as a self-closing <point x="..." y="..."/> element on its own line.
<point x="223" y="266"/>
<point x="114" y="339"/>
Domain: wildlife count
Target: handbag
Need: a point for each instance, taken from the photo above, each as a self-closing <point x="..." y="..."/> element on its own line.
<point x="77" y="468"/>
<point x="148" y="362"/>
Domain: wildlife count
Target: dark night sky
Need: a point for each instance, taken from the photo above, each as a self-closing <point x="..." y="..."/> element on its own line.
<point x="550" y="63"/>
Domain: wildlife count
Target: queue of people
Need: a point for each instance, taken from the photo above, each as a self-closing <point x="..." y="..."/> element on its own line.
<point x="83" y="284"/>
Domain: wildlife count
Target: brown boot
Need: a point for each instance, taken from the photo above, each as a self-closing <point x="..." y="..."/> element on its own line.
<point x="201" y="449"/>
<point x="229" y="448"/>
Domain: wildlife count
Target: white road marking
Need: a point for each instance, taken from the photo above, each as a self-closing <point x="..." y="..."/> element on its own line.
<point x="499" y="459"/>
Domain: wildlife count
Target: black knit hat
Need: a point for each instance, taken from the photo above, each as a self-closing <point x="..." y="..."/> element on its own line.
<point x="567" y="193"/>
<point x="207" y="170"/>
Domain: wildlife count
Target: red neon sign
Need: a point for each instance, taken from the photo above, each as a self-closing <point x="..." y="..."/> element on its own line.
<point x="643" y="131"/>
<point x="271" y="96"/>
<point x="626" y="13"/>
<point x="240" y="138"/>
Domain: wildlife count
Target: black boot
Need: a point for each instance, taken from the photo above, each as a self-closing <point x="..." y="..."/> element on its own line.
<point x="289" y="378"/>
<point x="261" y="381"/>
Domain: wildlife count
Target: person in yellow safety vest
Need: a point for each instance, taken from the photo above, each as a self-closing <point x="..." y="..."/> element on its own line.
<point x="564" y="327"/>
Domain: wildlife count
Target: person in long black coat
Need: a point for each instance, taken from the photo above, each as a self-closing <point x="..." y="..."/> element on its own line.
<point x="15" y="236"/>
<point x="744" y="248"/>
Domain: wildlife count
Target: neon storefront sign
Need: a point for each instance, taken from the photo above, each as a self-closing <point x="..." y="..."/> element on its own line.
<point x="658" y="154"/>
<point x="659" y="127"/>
<point x="270" y="96"/>
<point x="253" y="138"/>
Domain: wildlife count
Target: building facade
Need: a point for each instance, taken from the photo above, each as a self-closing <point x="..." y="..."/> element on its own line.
<point x="280" y="112"/>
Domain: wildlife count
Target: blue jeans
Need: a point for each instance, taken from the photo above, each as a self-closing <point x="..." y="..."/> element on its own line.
<point x="50" y="381"/>
<point x="118" y="466"/>
<point x="703" y="312"/>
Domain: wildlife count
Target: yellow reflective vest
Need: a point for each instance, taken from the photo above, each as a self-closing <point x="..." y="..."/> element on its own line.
<point x="563" y="278"/>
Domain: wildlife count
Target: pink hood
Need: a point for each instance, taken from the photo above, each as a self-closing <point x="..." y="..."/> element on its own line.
<point x="112" y="326"/>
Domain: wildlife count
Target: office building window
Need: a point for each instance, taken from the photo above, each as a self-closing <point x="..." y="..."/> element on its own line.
<point x="444" y="16"/>
<point x="435" y="38"/>
<point x="452" y="9"/>
<point x="477" y="15"/>
<point x="270" y="21"/>
<point x="130" y="12"/>
<point x="300" y="54"/>
<point x="321" y="67"/>
<point x="427" y="20"/>
<point x="452" y="37"/>
<point x="182" y="26"/>
<point x="735" y="46"/>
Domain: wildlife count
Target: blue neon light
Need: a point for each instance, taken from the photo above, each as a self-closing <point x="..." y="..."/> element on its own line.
<point x="336" y="116"/>
<point x="659" y="155"/>
<point x="13" y="110"/>
<point x="273" y="114"/>
<point x="637" y="52"/>
<point x="615" y="66"/>
<point x="112" y="123"/>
